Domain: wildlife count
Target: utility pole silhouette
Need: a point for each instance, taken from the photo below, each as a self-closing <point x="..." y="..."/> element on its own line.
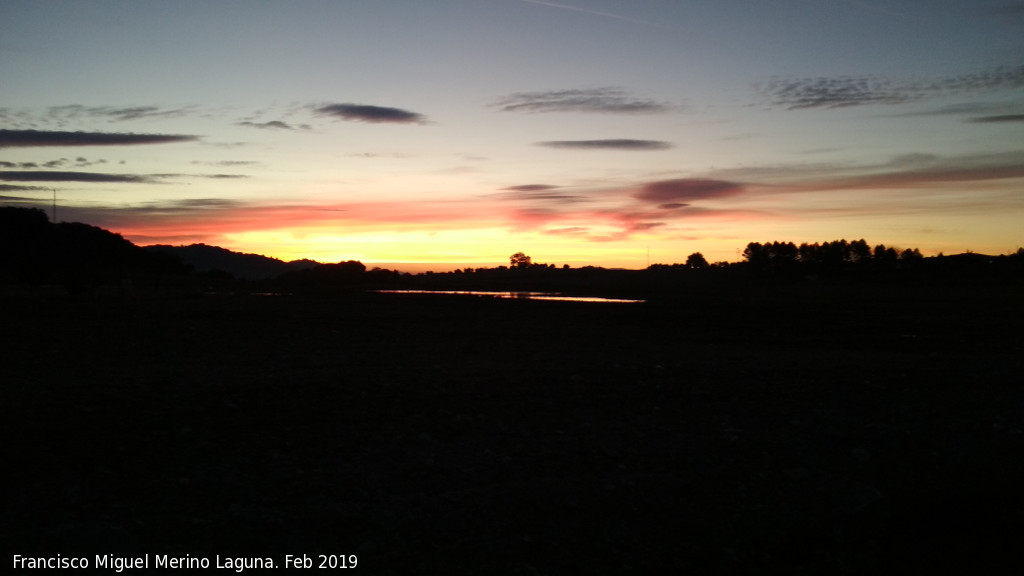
<point x="53" y="215"/>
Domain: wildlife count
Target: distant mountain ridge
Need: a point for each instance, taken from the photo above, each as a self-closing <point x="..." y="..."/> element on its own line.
<point x="243" y="266"/>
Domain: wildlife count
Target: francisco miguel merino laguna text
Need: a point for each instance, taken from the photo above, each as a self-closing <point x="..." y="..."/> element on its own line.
<point x="121" y="563"/>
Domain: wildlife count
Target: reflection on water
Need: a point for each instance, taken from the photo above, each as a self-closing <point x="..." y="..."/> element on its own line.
<point x="522" y="295"/>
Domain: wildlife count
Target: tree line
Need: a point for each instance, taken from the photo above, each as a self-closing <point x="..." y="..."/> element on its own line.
<point x="827" y="256"/>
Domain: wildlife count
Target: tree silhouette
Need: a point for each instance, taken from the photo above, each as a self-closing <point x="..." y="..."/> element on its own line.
<point x="696" y="261"/>
<point x="520" y="260"/>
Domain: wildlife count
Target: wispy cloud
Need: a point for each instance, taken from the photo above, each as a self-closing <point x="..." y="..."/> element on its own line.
<point x="19" y="188"/>
<point x="609" y="144"/>
<point x="118" y="114"/>
<point x="568" y="231"/>
<point x="271" y="125"/>
<point x="372" y="114"/>
<point x="840" y="92"/>
<point x="931" y="174"/>
<point x="618" y="213"/>
<point x="33" y="138"/>
<point x="79" y="162"/>
<point x="76" y="114"/>
<point x="845" y="91"/>
<point x="903" y="172"/>
<point x="597" y="100"/>
<point x="18" y="199"/>
<point x="188" y="205"/>
<point x="822" y="189"/>
<point x="999" y="118"/>
<point x="963" y="109"/>
<point x="544" y="196"/>
<point x="228" y="162"/>
<point x="998" y="78"/>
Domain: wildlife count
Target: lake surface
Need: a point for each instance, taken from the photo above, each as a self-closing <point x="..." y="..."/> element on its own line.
<point x="520" y="295"/>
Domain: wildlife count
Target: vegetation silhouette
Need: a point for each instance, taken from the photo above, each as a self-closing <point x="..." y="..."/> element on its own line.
<point x="826" y="258"/>
<point x="520" y="260"/>
<point x="696" y="261"/>
<point x="74" y="255"/>
<point x="80" y="257"/>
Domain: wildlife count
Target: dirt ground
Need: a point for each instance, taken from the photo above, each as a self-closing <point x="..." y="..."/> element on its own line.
<point x="804" y="427"/>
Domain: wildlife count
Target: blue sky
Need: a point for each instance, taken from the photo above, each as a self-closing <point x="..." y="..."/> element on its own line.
<point x="445" y="133"/>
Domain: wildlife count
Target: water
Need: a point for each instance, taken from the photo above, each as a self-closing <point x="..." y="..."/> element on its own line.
<point x="520" y="295"/>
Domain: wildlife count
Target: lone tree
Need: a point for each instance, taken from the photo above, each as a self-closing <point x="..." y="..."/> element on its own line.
<point x="520" y="260"/>
<point x="696" y="261"/>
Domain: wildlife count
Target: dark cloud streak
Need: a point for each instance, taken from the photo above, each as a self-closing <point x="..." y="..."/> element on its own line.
<point x="998" y="118"/>
<point x="675" y="194"/>
<point x="37" y="138"/>
<point x="47" y="176"/>
<point x="371" y="114"/>
<point x="610" y="144"/>
<point x="530" y="187"/>
<point x="70" y="176"/>
<point x="546" y="197"/>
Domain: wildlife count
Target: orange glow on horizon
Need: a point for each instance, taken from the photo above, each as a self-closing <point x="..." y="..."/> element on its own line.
<point x="624" y="227"/>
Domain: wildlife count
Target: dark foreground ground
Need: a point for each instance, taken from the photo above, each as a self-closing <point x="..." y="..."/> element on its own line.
<point x="804" y="428"/>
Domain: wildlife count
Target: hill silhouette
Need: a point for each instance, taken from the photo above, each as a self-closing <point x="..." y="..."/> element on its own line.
<point x="243" y="266"/>
<point x="77" y="256"/>
<point x="35" y="251"/>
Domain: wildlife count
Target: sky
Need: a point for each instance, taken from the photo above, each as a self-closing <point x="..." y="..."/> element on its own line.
<point x="437" y="134"/>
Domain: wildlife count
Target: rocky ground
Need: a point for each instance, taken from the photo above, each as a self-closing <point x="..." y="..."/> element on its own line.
<point x="805" y="427"/>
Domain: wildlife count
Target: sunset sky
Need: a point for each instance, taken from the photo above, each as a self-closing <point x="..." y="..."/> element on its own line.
<point x="450" y="133"/>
